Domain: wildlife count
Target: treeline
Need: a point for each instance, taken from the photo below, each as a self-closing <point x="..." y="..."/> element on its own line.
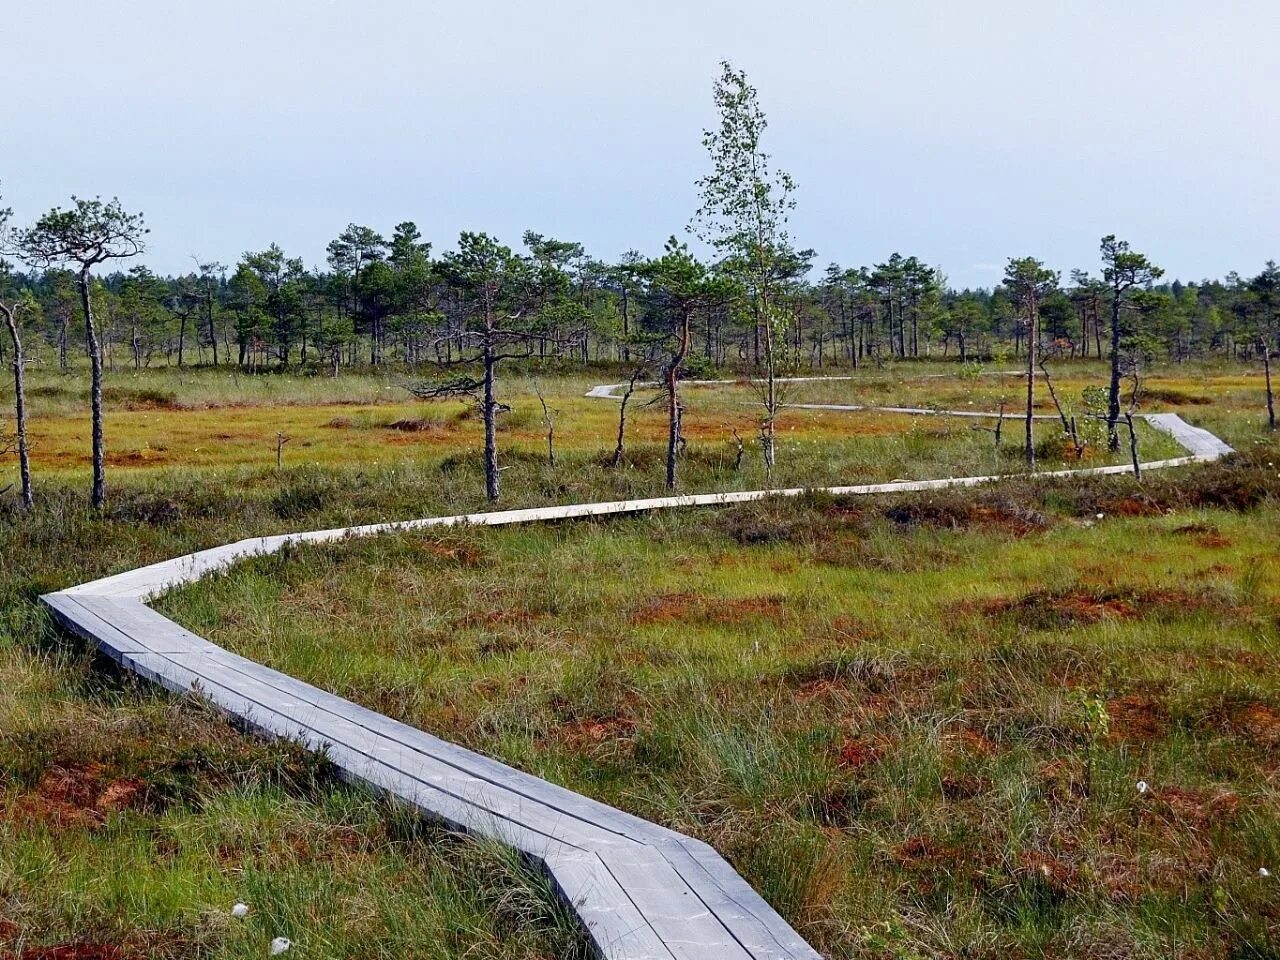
<point x="384" y="300"/>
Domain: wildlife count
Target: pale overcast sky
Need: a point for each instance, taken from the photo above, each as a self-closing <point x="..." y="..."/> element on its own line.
<point x="962" y="132"/>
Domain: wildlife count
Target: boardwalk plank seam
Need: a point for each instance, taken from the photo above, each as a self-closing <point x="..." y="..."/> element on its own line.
<point x="641" y="891"/>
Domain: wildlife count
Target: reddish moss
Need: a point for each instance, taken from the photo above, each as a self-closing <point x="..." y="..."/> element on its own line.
<point x="1204" y="535"/>
<point x="1045" y="868"/>
<point x="1258" y="722"/>
<point x="857" y="753"/>
<point x="1135" y="506"/>
<point x="1137" y="718"/>
<point x="964" y="786"/>
<point x="76" y="797"/>
<point x="76" y="951"/>
<point x="1196" y="809"/>
<point x="700" y="610"/>
<point x="972" y="742"/>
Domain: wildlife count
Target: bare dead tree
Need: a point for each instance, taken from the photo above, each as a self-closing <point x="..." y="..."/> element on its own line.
<point x="11" y="312"/>
<point x="1133" y="444"/>
<point x="998" y="429"/>
<point x="281" y="440"/>
<point x="618" y="449"/>
<point x="549" y="422"/>
<point x="1053" y="395"/>
<point x="1068" y="423"/>
<point x="1133" y="373"/>
<point x="1126" y="417"/>
<point x="740" y="451"/>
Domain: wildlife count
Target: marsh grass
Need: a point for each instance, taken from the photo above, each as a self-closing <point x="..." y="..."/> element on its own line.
<point x="877" y="709"/>
<point x="216" y="423"/>
<point x="855" y="701"/>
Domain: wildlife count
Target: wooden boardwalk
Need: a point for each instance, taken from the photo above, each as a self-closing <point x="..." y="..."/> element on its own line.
<point x="641" y="891"/>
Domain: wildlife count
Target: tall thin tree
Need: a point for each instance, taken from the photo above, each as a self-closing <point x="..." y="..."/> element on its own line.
<point x="494" y="287"/>
<point x="12" y="308"/>
<point x="1029" y="282"/>
<point x="1122" y="271"/>
<point x="1265" y="288"/>
<point x="85" y="236"/>
<point x="209" y="274"/>
<point x="744" y="208"/>
<point x="679" y="286"/>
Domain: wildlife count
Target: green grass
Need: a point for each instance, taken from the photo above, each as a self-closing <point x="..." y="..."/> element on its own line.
<point x="640" y="671"/>
<point x="131" y="822"/>
<point x="879" y="711"/>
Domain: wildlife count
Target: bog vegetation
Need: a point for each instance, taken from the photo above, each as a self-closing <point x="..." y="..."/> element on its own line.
<point x="917" y="725"/>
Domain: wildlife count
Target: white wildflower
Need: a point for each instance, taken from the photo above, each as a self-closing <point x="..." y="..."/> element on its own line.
<point x="1264" y="872"/>
<point x="279" y="945"/>
<point x="240" y="910"/>
<point x="1143" y="786"/>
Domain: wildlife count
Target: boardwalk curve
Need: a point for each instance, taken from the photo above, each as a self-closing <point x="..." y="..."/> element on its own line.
<point x="641" y="891"/>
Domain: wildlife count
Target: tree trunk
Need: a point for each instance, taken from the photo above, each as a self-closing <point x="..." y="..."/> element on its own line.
<point x="491" y="480"/>
<point x="768" y="426"/>
<point x="1266" y="369"/>
<point x="1133" y="445"/>
<point x="1030" y="448"/>
<point x="618" y="449"/>
<point x="626" y="326"/>
<point x="20" y="405"/>
<point x="1113" y="393"/>
<point x="673" y="400"/>
<point x="98" y="495"/>
<point x="213" y="334"/>
<point x="1097" y="328"/>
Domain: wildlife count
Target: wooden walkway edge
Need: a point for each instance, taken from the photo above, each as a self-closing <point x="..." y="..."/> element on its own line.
<point x="641" y="891"/>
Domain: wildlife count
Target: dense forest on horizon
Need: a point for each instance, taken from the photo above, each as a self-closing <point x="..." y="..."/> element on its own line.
<point x="383" y="301"/>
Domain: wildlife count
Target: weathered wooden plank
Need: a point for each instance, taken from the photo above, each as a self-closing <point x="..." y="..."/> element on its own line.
<point x="752" y="920"/>
<point x="534" y="788"/>
<point x="472" y="814"/>
<point x="686" y="923"/>
<point x="617" y="927"/>
<point x="151" y="631"/>
<point x="148" y="631"/>
<point x="107" y="637"/>
<point x="270" y="710"/>
<point x="1202" y="444"/>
